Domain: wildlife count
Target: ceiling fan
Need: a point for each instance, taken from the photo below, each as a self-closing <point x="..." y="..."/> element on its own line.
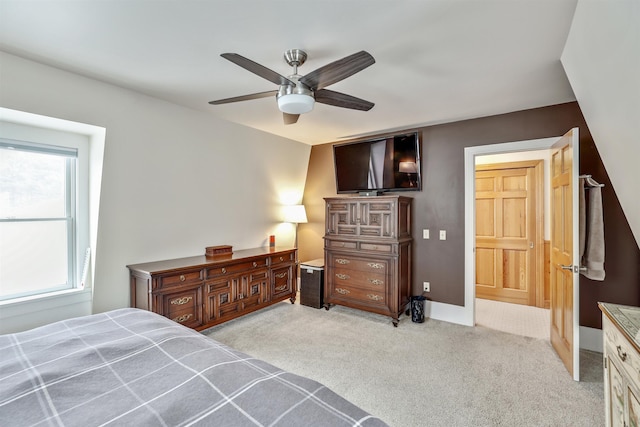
<point x="297" y="94"/>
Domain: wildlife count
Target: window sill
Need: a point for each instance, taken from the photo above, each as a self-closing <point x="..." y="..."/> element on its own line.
<point x="65" y="294"/>
<point x="22" y="313"/>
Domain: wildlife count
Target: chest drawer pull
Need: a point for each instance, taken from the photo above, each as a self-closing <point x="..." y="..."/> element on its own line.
<point x="342" y="291"/>
<point x="281" y="275"/>
<point x="375" y="297"/>
<point x="281" y="259"/>
<point x="255" y="264"/>
<point x="343" y="276"/>
<point x="342" y="261"/>
<point x="621" y="354"/>
<point x="224" y="270"/>
<point x="183" y="318"/>
<point x="375" y="265"/>
<point x="376" y="282"/>
<point x="181" y="301"/>
<point x="182" y="278"/>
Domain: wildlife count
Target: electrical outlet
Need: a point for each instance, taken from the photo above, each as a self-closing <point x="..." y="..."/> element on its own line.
<point x="425" y="233"/>
<point x="426" y="286"/>
<point x="443" y="234"/>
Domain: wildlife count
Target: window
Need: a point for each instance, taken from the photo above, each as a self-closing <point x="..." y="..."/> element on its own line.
<point x="37" y="218"/>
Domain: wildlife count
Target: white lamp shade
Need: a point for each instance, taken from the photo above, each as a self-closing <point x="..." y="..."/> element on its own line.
<point x="295" y="214"/>
<point x="295" y="103"/>
<point x="408" y="167"/>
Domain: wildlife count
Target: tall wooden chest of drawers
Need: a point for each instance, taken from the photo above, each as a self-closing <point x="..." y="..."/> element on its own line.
<point x="367" y="247"/>
<point x="200" y="292"/>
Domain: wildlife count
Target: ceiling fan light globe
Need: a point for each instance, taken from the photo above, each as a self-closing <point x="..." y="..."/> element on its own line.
<point x="295" y="103"/>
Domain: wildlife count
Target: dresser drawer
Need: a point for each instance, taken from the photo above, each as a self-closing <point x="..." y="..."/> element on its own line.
<point x="282" y="258"/>
<point x="340" y="244"/>
<point x="236" y="268"/>
<point x="281" y="281"/>
<point x="180" y="278"/>
<point x="361" y="279"/>
<point x="346" y="262"/>
<point x="621" y="349"/>
<point x="184" y="307"/>
<point x="359" y="295"/>
<point x="376" y="247"/>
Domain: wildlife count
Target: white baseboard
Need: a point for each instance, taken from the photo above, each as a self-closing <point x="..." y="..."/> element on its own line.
<point x="449" y="313"/>
<point x="591" y="339"/>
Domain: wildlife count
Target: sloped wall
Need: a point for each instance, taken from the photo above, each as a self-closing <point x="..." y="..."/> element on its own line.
<point x="602" y="62"/>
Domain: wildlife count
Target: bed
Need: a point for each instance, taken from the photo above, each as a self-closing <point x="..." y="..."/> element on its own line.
<point x="136" y="368"/>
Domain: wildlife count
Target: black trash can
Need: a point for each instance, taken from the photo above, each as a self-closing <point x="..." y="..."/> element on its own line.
<point x="417" y="308"/>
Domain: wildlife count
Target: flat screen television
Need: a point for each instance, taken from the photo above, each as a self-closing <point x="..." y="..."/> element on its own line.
<point x="387" y="164"/>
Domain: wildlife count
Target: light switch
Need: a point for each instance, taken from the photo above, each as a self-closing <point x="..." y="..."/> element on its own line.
<point x="425" y="233"/>
<point x="443" y="234"/>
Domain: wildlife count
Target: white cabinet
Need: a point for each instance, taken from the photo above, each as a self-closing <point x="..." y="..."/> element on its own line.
<point x="620" y="326"/>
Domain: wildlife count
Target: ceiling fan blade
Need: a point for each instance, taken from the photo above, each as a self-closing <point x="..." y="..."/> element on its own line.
<point x="257" y="69"/>
<point x="338" y="70"/>
<point x="337" y="99"/>
<point x="244" y="97"/>
<point x="290" y="119"/>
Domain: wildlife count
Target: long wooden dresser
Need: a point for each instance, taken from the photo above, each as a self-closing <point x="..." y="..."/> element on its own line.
<point x="367" y="246"/>
<point x="621" y="339"/>
<point x="200" y="291"/>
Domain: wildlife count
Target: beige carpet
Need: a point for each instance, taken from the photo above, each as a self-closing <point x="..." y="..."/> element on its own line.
<point x="513" y="318"/>
<point x="423" y="374"/>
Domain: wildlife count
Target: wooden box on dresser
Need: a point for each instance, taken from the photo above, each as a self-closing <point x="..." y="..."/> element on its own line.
<point x="620" y="328"/>
<point x="200" y="291"/>
<point x="367" y="246"/>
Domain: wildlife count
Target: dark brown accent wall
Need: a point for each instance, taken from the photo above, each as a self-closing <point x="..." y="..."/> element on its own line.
<point x="440" y="205"/>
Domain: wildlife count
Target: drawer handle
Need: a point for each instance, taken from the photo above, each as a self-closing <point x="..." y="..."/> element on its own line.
<point x="342" y="261"/>
<point x="342" y="291"/>
<point x="182" y="278"/>
<point x="281" y="259"/>
<point x="224" y="270"/>
<point x="376" y="265"/>
<point x="343" y="276"/>
<point x="255" y="264"/>
<point x="621" y="354"/>
<point x="281" y="288"/>
<point x="376" y="281"/>
<point x="182" y="318"/>
<point x="281" y="275"/>
<point x="181" y="301"/>
<point x="375" y="297"/>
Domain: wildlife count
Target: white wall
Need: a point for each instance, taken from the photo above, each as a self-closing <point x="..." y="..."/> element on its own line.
<point x="602" y="61"/>
<point x="174" y="180"/>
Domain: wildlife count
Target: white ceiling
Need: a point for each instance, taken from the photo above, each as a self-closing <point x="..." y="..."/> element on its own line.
<point x="436" y="60"/>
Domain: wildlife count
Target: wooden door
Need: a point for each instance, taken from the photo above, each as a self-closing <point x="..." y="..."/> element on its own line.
<point x="564" y="251"/>
<point x="509" y="241"/>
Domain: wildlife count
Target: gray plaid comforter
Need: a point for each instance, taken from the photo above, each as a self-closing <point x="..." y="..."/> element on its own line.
<point x="136" y="368"/>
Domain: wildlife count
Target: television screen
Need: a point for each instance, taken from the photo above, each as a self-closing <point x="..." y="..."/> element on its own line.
<point x="378" y="165"/>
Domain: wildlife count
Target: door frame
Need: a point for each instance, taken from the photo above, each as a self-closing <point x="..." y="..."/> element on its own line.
<point x="468" y="314"/>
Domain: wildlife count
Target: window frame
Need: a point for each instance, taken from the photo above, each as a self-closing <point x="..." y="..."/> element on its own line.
<point x="72" y="154"/>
